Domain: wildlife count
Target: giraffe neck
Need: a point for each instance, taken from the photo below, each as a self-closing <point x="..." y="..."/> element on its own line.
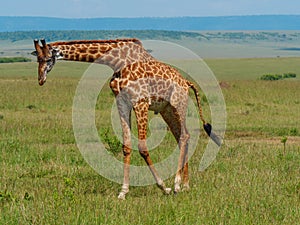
<point x="116" y="54"/>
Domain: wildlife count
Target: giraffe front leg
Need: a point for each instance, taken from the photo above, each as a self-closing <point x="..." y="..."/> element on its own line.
<point x="125" y="186"/>
<point x="141" y="112"/>
<point x="145" y="154"/>
<point x="125" y="115"/>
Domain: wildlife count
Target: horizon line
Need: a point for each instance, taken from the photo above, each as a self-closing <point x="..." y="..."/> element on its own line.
<point x="154" y="17"/>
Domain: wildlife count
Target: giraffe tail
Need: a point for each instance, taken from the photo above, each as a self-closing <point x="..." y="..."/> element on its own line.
<point x="207" y="127"/>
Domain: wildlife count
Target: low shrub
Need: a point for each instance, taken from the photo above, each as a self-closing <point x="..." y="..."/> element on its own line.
<point x="14" y="59"/>
<point x="289" y="75"/>
<point x="277" y="76"/>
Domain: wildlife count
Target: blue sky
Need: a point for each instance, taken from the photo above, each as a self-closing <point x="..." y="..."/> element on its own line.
<point x="147" y="8"/>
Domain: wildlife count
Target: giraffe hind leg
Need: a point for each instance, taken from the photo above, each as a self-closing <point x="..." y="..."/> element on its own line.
<point x="176" y="123"/>
<point x="182" y="167"/>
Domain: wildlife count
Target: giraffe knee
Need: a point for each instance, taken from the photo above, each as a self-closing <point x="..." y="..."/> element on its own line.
<point x="126" y="150"/>
<point x="144" y="154"/>
<point x="185" y="137"/>
<point x="143" y="149"/>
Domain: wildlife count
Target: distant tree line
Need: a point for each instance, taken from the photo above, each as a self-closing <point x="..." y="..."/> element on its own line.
<point x="147" y="34"/>
<point x="97" y="34"/>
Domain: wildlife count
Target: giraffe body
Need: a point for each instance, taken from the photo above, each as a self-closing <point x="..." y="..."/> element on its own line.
<point x="140" y="83"/>
<point x="159" y="88"/>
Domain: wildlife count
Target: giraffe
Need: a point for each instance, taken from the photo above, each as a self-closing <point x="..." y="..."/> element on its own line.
<point x="140" y="83"/>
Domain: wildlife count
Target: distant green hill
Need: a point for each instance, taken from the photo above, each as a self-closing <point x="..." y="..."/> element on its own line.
<point x="264" y="22"/>
<point x="290" y="37"/>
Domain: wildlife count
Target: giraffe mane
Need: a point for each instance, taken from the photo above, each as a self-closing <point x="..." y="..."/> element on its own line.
<point x="97" y="41"/>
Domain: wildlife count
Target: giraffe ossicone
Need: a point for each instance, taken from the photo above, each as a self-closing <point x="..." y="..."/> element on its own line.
<point x="140" y="83"/>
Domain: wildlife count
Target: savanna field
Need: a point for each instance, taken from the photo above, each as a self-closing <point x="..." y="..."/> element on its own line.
<point x="255" y="178"/>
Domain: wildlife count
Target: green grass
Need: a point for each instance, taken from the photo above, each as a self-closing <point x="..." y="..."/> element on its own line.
<point x="252" y="68"/>
<point x="45" y="180"/>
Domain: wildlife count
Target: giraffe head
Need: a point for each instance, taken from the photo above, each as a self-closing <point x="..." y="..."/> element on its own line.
<point x="46" y="57"/>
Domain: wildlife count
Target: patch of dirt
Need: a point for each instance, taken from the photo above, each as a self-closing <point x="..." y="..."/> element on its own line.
<point x="224" y="85"/>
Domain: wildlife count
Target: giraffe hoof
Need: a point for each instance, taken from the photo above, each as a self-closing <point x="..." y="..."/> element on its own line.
<point x="168" y="191"/>
<point x="177" y="189"/>
<point x="186" y="188"/>
<point x="121" y="196"/>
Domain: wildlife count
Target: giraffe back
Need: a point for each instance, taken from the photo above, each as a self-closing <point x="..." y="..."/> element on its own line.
<point x="155" y="82"/>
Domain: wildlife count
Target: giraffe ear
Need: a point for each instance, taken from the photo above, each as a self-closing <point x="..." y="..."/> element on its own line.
<point x="58" y="54"/>
<point x="34" y="53"/>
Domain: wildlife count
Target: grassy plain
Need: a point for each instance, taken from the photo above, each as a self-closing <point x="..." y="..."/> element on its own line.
<point x="45" y="180"/>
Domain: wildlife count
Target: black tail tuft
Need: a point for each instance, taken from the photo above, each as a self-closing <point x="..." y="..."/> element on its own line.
<point x="207" y="127"/>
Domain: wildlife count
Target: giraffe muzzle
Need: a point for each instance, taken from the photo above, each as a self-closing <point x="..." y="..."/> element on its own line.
<point x="42" y="79"/>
